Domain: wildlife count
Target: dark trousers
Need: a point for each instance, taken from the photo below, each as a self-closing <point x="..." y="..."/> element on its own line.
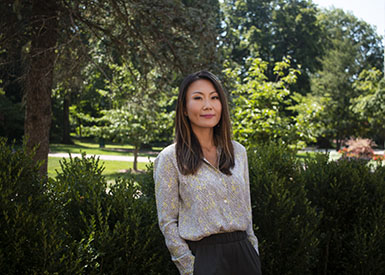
<point x="225" y="254"/>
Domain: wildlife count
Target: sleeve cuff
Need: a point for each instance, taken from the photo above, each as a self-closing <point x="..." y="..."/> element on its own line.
<point x="186" y="266"/>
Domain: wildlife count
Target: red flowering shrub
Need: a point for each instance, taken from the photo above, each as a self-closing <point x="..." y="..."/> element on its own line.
<point x="359" y="148"/>
<point x="379" y="157"/>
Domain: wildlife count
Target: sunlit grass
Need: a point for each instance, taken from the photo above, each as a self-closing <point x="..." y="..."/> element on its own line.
<point x="302" y="155"/>
<point x="92" y="148"/>
<point x="112" y="168"/>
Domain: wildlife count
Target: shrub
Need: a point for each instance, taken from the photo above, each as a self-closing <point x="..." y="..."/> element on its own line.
<point x="74" y="224"/>
<point x="316" y="217"/>
<point x="80" y="190"/>
<point x="285" y="222"/>
<point x="31" y="241"/>
<point x="359" y="148"/>
<point x="351" y="196"/>
<point x="115" y="228"/>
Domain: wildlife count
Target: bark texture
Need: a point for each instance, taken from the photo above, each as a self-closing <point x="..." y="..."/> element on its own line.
<point x="39" y="78"/>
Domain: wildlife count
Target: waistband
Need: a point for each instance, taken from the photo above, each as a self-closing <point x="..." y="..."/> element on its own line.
<point x="227" y="237"/>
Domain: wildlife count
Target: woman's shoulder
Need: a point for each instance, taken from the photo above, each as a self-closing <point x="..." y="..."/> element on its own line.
<point x="167" y="152"/>
<point x="165" y="161"/>
<point x="238" y="147"/>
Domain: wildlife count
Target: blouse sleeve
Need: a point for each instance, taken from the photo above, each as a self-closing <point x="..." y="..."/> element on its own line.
<point x="167" y="202"/>
<point x="250" y="232"/>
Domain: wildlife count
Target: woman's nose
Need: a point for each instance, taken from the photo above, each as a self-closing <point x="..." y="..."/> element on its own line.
<point x="207" y="104"/>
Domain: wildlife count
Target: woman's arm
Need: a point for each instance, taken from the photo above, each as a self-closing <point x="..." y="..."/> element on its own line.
<point x="167" y="201"/>
<point x="250" y="231"/>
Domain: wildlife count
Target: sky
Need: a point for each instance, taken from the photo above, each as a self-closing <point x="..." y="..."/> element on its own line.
<point x="371" y="11"/>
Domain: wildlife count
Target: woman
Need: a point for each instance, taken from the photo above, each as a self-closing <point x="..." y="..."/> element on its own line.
<point x="202" y="186"/>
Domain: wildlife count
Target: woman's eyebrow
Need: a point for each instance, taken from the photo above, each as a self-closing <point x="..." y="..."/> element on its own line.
<point x="199" y="92"/>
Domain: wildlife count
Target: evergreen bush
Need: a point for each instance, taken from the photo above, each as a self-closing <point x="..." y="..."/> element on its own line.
<point x="31" y="241"/>
<point x="115" y="227"/>
<point x="285" y="222"/>
<point x="316" y="217"/>
<point x="351" y="196"/>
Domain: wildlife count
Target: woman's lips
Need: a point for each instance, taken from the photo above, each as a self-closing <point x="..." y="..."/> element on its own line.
<point x="207" y="116"/>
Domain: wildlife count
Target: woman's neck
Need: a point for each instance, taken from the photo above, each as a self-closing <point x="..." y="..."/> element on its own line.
<point x="205" y="137"/>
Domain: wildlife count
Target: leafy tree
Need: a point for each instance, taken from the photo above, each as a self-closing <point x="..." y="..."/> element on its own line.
<point x="70" y="77"/>
<point x="352" y="46"/>
<point x="272" y="30"/>
<point x="81" y="86"/>
<point x="370" y="104"/>
<point x="29" y="32"/>
<point x="308" y="116"/>
<point x="139" y="112"/>
<point x="259" y="106"/>
<point x="339" y="25"/>
<point x="334" y="84"/>
<point x="154" y="33"/>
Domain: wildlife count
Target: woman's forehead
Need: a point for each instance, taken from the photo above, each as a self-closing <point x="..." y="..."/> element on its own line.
<point x="201" y="86"/>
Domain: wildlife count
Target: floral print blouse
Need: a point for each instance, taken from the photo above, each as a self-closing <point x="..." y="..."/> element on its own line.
<point x="196" y="206"/>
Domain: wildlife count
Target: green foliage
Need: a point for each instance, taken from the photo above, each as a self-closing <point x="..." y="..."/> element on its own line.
<point x="334" y="84"/>
<point x="308" y="119"/>
<point x="139" y="115"/>
<point x="351" y="45"/>
<point x="286" y="223"/>
<point x="316" y="217"/>
<point x="75" y="223"/>
<point x="115" y="227"/>
<point x="351" y="197"/>
<point x="369" y="106"/>
<point x="80" y="189"/>
<point x="261" y="108"/>
<point x="31" y="241"/>
<point x="272" y="30"/>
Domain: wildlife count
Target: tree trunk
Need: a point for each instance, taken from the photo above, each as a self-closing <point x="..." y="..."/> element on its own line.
<point x="39" y="78"/>
<point x="66" y="139"/>
<point x="136" y="157"/>
<point x="80" y="127"/>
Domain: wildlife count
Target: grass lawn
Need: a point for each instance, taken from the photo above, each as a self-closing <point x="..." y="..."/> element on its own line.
<point x="112" y="168"/>
<point x="306" y="155"/>
<point x="92" y="148"/>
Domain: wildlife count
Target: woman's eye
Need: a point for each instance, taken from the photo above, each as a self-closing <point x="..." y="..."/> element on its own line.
<point x="215" y="97"/>
<point x="197" y="97"/>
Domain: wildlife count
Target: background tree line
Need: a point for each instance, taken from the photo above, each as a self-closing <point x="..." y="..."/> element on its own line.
<point x="109" y="69"/>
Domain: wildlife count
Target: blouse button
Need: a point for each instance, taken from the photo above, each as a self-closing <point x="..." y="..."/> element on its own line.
<point x="225" y="201"/>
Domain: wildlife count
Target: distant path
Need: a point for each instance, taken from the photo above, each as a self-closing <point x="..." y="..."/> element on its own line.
<point x="333" y="155"/>
<point x="103" y="157"/>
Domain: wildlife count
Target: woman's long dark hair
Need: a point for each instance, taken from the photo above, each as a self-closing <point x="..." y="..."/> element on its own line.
<point x="188" y="149"/>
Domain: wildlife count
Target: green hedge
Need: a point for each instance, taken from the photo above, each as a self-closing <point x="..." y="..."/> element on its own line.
<point x="285" y="221"/>
<point x="31" y="242"/>
<point x="317" y="216"/>
<point x="312" y="217"/>
<point x="72" y="225"/>
<point x="351" y="197"/>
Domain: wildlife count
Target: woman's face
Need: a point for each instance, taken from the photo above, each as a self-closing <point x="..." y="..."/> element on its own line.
<point x="203" y="105"/>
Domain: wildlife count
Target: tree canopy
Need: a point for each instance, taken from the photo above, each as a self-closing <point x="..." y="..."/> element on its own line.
<point x="111" y="64"/>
